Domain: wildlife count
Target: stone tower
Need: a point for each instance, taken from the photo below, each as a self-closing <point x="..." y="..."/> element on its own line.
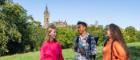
<point x="96" y="23"/>
<point x="46" y="17"/>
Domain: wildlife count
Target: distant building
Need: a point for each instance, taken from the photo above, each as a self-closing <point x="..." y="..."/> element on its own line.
<point x="46" y="18"/>
<point x="96" y="23"/>
<point x="60" y="23"/>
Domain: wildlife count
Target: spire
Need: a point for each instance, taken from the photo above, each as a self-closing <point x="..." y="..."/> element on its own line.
<point x="65" y="22"/>
<point x="46" y="17"/>
<point x="96" y="23"/>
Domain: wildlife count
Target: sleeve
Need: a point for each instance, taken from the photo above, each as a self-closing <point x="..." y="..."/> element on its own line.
<point x="61" y="55"/>
<point x="93" y="46"/>
<point x="119" y="51"/>
<point x="42" y="53"/>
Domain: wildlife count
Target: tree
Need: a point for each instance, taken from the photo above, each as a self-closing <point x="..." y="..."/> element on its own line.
<point x="9" y="30"/>
<point x="3" y="37"/>
<point x="66" y="36"/>
<point x="97" y="32"/>
<point x="138" y="35"/>
<point x="2" y="2"/>
<point x="36" y="34"/>
<point x="18" y="31"/>
<point x="130" y="34"/>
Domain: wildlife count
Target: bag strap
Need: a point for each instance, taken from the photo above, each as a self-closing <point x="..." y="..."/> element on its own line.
<point x="89" y="41"/>
<point x="112" y="50"/>
<point x="76" y="43"/>
<point x="77" y="39"/>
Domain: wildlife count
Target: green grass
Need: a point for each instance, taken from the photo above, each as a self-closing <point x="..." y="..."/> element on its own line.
<point x="134" y="49"/>
<point x="68" y="54"/>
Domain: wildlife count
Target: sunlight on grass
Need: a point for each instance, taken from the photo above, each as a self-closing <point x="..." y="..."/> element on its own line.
<point x="68" y="54"/>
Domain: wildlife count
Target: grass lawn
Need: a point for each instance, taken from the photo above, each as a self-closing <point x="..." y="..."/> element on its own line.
<point x="68" y="54"/>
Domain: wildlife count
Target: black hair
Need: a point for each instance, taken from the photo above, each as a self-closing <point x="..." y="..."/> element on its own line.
<point x="82" y="23"/>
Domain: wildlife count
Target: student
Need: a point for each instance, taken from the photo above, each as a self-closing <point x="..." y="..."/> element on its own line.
<point x="85" y="45"/>
<point x="51" y="48"/>
<point x="115" y="47"/>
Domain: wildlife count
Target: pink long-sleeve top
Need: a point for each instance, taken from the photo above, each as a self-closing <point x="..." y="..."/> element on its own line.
<point x="51" y="51"/>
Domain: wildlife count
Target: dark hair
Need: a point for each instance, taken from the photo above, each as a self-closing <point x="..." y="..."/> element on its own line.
<point x="116" y="35"/>
<point x="82" y="23"/>
<point x="115" y="32"/>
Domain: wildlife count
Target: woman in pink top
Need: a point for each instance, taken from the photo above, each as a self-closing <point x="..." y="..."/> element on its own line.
<point x="51" y="49"/>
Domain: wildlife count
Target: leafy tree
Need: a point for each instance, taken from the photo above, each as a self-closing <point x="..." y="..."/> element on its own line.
<point x="9" y="30"/>
<point x="66" y="36"/>
<point x="97" y="32"/>
<point x="3" y="37"/>
<point x="37" y="34"/>
<point x="130" y="34"/>
<point x="2" y="2"/>
<point x="14" y="26"/>
<point x="138" y="35"/>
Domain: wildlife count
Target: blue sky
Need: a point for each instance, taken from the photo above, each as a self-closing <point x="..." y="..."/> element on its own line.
<point x="121" y="12"/>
